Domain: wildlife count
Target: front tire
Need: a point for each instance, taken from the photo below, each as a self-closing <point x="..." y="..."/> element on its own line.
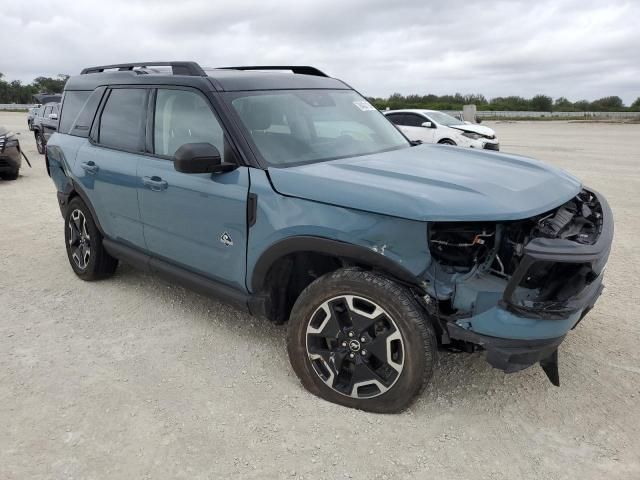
<point x="446" y="141"/>
<point x="88" y="258"/>
<point x="358" y="339"/>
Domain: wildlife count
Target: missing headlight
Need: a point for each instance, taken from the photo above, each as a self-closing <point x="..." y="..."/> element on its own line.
<point x="461" y="245"/>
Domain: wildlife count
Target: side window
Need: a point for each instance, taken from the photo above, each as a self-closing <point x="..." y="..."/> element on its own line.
<point x="71" y="106"/>
<point x="47" y="111"/>
<point x="122" y="119"/>
<point x="181" y="117"/>
<point x="413" y="120"/>
<point x="396" y="118"/>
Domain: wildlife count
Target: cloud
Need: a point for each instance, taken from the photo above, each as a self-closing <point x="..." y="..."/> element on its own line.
<point x="577" y="49"/>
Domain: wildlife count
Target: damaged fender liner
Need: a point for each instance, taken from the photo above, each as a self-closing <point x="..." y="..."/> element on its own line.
<point x="509" y="355"/>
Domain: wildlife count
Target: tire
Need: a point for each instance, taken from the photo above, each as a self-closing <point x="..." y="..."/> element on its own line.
<point x="83" y="241"/>
<point x="402" y="343"/>
<point x="10" y="175"/>
<point x="41" y="144"/>
<point x="446" y="141"/>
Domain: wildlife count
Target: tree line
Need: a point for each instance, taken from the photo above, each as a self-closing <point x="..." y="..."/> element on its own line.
<point x="538" y="103"/>
<point x="17" y="92"/>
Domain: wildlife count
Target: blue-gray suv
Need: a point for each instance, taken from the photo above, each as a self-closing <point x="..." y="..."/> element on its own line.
<point x="283" y="191"/>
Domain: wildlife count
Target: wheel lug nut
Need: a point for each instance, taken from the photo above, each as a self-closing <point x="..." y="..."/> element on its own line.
<point x="344" y="344"/>
<point x="364" y="352"/>
<point x="362" y="339"/>
<point x="350" y="334"/>
<point x="351" y="355"/>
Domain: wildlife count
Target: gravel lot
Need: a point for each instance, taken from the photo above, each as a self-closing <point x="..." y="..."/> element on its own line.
<point x="133" y="378"/>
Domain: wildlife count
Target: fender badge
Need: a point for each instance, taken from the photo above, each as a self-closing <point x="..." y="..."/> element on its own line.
<point x="226" y="239"/>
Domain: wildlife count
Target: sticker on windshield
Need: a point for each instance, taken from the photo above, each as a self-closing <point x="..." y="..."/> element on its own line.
<point x="364" y="105"/>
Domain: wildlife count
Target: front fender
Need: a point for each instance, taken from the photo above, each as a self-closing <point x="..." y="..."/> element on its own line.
<point x="287" y="224"/>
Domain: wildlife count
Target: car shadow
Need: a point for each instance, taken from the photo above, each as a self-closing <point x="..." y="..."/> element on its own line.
<point x="458" y="378"/>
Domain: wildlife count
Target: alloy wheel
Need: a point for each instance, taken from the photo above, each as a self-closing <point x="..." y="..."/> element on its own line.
<point x="79" y="239"/>
<point x="354" y="346"/>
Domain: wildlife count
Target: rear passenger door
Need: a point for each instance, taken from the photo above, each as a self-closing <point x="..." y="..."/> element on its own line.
<point x="107" y="165"/>
<point x="197" y="221"/>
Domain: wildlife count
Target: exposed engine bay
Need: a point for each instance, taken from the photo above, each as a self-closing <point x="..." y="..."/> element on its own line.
<point x="465" y="253"/>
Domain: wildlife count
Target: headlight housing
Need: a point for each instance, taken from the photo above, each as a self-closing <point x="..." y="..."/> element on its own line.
<point x="472" y="135"/>
<point x="8" y="140"/>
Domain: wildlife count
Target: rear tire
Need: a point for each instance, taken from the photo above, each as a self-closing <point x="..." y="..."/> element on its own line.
<point x="446" y="141"/>
<point x="88" y="258"/>
<point x="41" y="144"/>
<point x="360" y="340"/>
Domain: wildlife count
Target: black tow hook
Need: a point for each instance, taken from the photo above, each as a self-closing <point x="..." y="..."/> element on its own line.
<point x="550" y="367"/>
<point x="25" y="157"/>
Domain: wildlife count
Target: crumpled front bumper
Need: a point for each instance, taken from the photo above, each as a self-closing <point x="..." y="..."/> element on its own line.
<point x="516" y="335"/>
<point x="508" y="354"/>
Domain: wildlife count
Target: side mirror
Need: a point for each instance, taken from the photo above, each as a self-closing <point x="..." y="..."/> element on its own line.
<point x="427" y="125"/>
<point x="200" y="158"/>
<point x="53" y="116"/>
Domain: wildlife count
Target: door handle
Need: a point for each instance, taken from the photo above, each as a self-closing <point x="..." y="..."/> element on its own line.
<point x="155" y="183"/>
<point x="90" y="167"/>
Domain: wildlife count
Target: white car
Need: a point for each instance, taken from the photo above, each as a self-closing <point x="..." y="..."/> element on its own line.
<point x="431" y="126"/>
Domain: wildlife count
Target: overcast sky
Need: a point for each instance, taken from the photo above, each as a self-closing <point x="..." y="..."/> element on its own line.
<point x="574" y="48"/>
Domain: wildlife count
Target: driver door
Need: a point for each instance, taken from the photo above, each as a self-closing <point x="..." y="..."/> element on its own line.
<point x="197" y="221"/>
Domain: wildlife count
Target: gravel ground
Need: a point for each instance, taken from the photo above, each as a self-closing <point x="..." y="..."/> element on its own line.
<point x="133" y="378"/>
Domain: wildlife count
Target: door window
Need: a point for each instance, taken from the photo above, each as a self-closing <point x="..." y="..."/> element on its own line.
<point x="397" y="118"/>
<point x="413" y="120"/>
<point x="181" y="117"/>
<point x="122" y="120"/>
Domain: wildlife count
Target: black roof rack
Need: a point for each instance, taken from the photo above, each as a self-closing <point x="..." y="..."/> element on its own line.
<point x="178" y="68"/>
<point x="299" y="69"/>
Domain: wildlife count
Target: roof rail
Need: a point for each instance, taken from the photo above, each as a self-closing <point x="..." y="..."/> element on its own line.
<point x="299" y="69"/>
<point x="178" y="68"/>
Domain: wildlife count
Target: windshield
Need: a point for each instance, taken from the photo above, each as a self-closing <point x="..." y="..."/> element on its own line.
<point x="444" y="119"/>
<point x="301" y="126"/>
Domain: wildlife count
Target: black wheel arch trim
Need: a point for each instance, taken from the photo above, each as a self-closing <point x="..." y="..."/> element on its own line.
<point x="71" y="189"/>
<point x="329" y="247"/>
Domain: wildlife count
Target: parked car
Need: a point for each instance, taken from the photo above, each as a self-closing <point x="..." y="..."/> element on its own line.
<point x="431" y="126"/>
<point x="10" y="157"/>
<point x="45" y="124"/>
<point x="289" y="195"/>
<point x="30" y="115"/>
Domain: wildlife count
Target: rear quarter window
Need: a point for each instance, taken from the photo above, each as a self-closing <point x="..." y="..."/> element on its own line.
<point x="81" y="126"/>
<point x="72" y="104"/>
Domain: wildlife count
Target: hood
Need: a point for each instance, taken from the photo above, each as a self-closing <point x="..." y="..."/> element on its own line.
<point x="482" y="130"/>
<point x="432" y="183"/>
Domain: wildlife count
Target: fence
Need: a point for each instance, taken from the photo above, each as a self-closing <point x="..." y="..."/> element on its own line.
<point x="576" y="115"/>
<point x="16" y="106"/>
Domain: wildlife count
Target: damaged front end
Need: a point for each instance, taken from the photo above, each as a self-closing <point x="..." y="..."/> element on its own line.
<point x="515" y="288"/>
